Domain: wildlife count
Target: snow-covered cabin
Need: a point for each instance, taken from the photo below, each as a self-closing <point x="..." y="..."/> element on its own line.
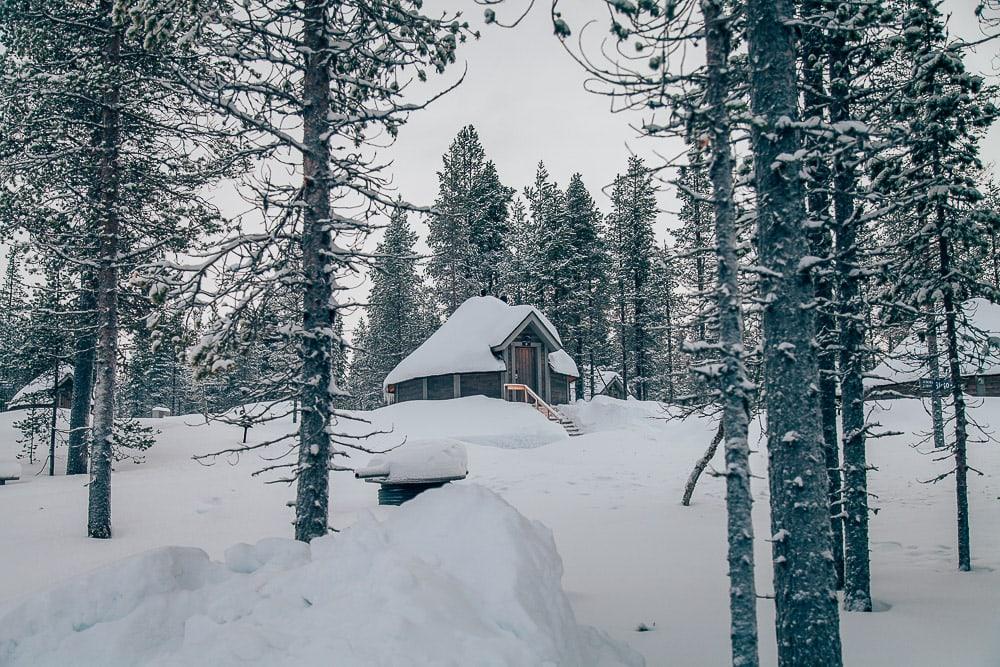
<point x="486" y="345"/>
<point x="609" y="383"/>
<point x="38" y="392"/>
<point x="906" y="371"/>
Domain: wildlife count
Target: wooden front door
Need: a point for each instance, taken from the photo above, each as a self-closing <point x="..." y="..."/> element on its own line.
<point x="525" y="371"/>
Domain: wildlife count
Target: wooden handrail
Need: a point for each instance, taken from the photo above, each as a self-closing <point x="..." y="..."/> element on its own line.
<point x="539" y="404"/>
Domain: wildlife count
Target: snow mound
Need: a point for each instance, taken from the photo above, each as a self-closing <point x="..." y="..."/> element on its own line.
<point x="455" y="577"/>
<point x="474" y="419"/>
<point x="603" y="413"/>
<point x="10" y="470"/>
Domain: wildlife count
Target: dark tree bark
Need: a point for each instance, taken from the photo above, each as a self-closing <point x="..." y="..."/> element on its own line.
<point x="735" y="383"/>
<point x="958" y="400"/>
<point x="54" y="415"/>
<point x="83" y="384"/>
<point x="106" y="363"/>
<point x="807" y="621"/>
<point x="700" y="465"/>
<point x="815" y="99"/>
<point x="312" y="498"/>
<point x="857" y="569"/>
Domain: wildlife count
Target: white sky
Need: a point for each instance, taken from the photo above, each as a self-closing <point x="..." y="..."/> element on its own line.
<point x="526" y="97"/>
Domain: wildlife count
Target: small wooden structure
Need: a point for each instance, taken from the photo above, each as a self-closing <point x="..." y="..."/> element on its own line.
<point x="484" y="346"/>
<point x="414" y="467"/>
<point x="160" y="412"/>
<point x="609" y="383"/>
<point x="9" y="471"/>
<point x="38" y="393"/>
<point x="905" y="373"/>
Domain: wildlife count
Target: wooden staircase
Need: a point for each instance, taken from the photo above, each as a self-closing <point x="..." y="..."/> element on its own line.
<point x="522" y="393"/>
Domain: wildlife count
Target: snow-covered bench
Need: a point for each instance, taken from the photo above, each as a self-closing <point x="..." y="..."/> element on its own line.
<point x="9" y="471"/>
<point x="414" y="467"/>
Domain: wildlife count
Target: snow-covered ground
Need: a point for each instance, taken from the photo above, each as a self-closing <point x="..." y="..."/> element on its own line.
<point x="429" y="575"/>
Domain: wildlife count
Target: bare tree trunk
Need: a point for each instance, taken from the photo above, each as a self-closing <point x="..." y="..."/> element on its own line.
<point x="735" y="384"/>
<point x="313" y="493"/>
<point x="55" y="414"/>
<point x="857" y="568"/>
<point x="807" y="620"/>
<point x="83" y="384"/>
<point x="958" y="403"/>
<point x="937" y="410"/>
<point x="99" y="510"/>
<point x="700" y="465"/>
<point x="816" y="100"/>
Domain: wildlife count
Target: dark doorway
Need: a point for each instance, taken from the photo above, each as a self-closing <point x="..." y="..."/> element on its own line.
<point x="525" y="371"/>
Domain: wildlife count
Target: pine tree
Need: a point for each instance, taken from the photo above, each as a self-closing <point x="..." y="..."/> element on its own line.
<point x="694" y="254"/>
<point x="941" y="114"/>
<point x="546" y="244"/>
<point x="631" y="245"/>
<point x="395" y="324"/>
<point x="13" y="314"/>
<point x="583" y="274"/>
<point x="103" y="158"/>
<point x="305" y="73"/>
<point x="468" y="225"/>
<point x="807" y="621"/>
<point x="665" y="383"/>
<point x="519" y="277"/>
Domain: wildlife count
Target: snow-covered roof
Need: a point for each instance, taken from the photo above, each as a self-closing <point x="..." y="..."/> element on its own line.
<point x="979" y="343"/>
<point x="605" y="378"/>
<point x="561" y="362"/>
<point x="466" y="342"/>
<point x="40" y="388"/>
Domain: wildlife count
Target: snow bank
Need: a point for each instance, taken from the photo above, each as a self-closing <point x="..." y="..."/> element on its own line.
<point x="10" y="470"/>
<point x="474" y="419"/>
<point x="455" y="577"/>
<point x="603" y="413"/>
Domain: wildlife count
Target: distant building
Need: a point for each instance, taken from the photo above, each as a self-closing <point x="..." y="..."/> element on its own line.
<point x="38" y="393"/>
<point x="489" y="348"/>
<point x="609" y="383"/>
<point x="906" y="370"/>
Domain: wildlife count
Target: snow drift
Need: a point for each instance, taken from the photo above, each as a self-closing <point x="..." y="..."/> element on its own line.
<point x="473" y="419"/>
<point x="455" y="577"/>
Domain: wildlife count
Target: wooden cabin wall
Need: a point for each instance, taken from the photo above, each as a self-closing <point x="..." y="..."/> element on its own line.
<point x="481" y="384"/>
<point x="559" y="388"/>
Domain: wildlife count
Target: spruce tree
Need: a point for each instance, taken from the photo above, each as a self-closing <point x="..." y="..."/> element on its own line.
<point x="101" y="146"/>
<point x="631" y="245"/>
<point x="468" y="224"/>
<point x="940" y="116"/>
<point x="395" y="323"/>
<point x="13" y="314"/>
<point x="583" y="326"/>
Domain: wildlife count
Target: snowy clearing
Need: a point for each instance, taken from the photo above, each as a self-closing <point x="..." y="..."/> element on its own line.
<point x="630" y="553"/>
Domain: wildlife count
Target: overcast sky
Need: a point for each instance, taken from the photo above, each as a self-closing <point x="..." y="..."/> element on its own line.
<point x="526" y="98"/>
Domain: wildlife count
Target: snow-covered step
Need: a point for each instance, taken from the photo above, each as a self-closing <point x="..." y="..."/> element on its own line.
<point x="569" y="425"/>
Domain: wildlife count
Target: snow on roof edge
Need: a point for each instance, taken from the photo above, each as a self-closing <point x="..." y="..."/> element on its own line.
<point x="465" y="342"/>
